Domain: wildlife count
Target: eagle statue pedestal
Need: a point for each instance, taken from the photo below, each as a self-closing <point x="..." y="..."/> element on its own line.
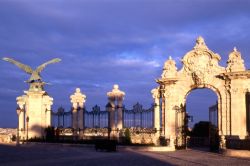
<point x="34" y="108"/>
<point x="36" y="114"/>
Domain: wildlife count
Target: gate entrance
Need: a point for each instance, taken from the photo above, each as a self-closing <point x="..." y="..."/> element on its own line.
<point x="201" y="69"/>
<point x="202" y="115"/>
<point x="195" y="128"/>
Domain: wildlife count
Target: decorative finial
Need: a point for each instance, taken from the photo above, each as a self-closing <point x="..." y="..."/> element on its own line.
<point x="116" y="86"/>
<point x="200" y="43"/>
<point x="235" y="49"/>
<point x="78" y="90"/>
<point x="170" y="58"/>
<point x="116" y="93"/>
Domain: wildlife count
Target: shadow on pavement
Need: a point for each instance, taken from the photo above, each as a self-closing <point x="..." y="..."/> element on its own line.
<point x="65" y="155"/>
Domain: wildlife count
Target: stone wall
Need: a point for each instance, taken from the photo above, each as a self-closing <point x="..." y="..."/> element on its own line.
<point x="7" y="135"/>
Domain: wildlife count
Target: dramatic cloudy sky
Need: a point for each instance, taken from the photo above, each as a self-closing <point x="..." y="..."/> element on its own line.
<point x="106" y="42"/>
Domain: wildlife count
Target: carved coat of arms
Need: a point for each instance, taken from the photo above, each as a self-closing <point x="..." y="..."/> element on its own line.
<point x="201" y="63"/>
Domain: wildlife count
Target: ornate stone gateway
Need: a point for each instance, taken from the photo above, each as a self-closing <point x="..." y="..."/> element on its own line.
<point x="201" y="70"/>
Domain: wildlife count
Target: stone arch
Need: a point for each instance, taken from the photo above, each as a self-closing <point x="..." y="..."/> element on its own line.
<point x="201" y="69"/>
<point x="211" y="87"/>
<point x="219" y="101"/>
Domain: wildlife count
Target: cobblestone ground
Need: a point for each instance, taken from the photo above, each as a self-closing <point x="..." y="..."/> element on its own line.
<point x="46" y="155"/>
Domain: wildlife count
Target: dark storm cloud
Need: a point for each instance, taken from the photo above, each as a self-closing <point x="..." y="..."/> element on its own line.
<point x="106" y="42"/>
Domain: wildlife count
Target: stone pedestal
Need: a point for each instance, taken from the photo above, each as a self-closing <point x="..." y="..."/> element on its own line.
<point x="36" y="112"/>
<point x="78" y="101"/>
<point x="115" y="98"/>
<point x="38" y="104"/>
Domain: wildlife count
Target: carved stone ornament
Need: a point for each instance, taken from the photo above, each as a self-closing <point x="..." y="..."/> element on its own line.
<point x="201" y="63"/>
<point x="170" y="69"/>
<point x="21" y="101"/>
<point x="235" y="62"/>
<point x="116" y="93"/>
<point x="78" y="97"/>
<point x="48" y="101"/>
<point x="155" y="92"/>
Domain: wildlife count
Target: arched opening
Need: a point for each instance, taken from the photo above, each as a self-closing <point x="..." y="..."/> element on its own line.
<point x="201" y="109"/>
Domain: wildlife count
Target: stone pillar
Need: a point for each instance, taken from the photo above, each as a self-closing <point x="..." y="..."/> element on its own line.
<point x="47" y="101"/>
<point x="74" y="117"/>
<point x="170" y="121"/>
<point x="78" y="101"/>
<point x="120" y="113"/>
<point x="156" y="97"/>
<point x="111" y="117"/>
<point x="238" y="113"/>
<point x="81" y="117"/>
<point x="21" y="121"/>
<point x="114" y="96"/>
<point x="235" y="64"/>
<point x="21" y="111"/>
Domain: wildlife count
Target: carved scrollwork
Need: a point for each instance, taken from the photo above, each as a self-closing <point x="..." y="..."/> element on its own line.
<point x="156" y="93"/>
<point x="78" y="98"/>
<point x="235" y="62"/>
<point x="21" y="100"/>
<point x="170" y="69"/>
<point x="201" y="63"/>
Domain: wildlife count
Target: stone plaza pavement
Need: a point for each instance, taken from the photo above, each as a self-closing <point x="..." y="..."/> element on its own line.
<point x="46" y="155"/>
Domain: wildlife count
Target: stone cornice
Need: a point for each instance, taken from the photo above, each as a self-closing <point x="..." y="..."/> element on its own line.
<point x="166" y="81"/>
<point x="235" y="75"/>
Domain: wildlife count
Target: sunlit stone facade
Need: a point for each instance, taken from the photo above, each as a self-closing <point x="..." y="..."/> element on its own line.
<point x="34" y="112"/>
<point x="201" y="69"/>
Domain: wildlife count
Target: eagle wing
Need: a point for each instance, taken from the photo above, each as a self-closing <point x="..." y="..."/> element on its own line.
<point x="24" y="67"/>
<point x="42" y="66"/>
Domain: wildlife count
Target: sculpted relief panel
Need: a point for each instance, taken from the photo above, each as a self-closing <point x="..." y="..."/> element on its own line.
<point x="201" y="63"/>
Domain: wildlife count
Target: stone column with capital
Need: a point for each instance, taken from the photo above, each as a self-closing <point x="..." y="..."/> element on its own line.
<point x="20" y="113"/>
<point x="156" y="96"/>
<point x="78" y="101"/>
<point x="47" y="101"/>
<point x="116" y="96"/>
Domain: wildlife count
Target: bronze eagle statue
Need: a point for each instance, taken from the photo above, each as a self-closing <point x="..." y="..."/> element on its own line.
<point x="35" y="74"/>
